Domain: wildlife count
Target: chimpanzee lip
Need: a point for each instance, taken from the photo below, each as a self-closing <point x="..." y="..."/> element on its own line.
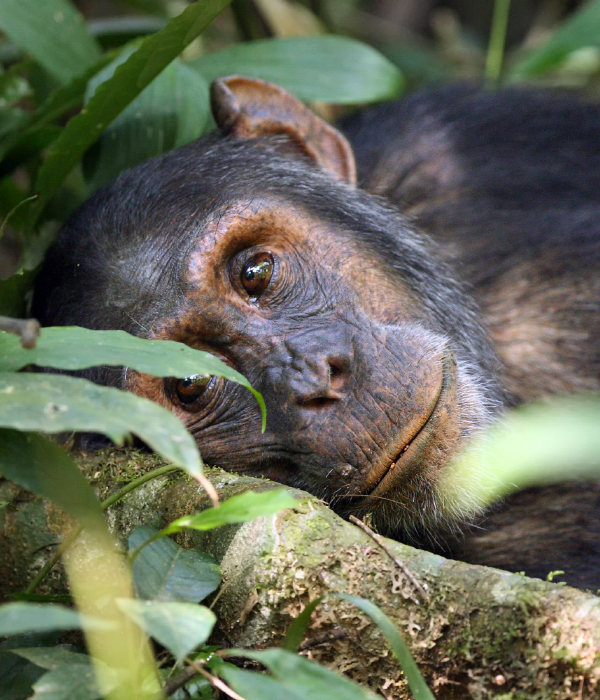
<point x="409" y="452"/>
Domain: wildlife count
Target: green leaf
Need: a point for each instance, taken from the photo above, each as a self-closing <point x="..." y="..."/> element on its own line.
<point x="40" y="466"/>
<point x="75" y="348"/>
<point x="12" y="293"/>
<point x="180" y="627"/>
<point x="331" y="69"/>
<point x="531" y="446"/>
<point x="13" y="87"/>
<point x="299" y="677"/>
<point x="76" y="682"/>
<point x="21" y="618"/>
<point x="237" y="509"/>
<point x="52" y="657"/>
<point x="17" y="676"/>
<point x="414" y="678"/>
<point x="55" y="403"/>
<point x="581" y="30"/>
<point x="65" y="98"/>
<point x="257" y="686"/>
<point x="165" y="571"/>
<point x="297" y="629"/>
<point x="53" y="32"/>
<point x="110" y="99"/>
<point x="170" y="112"/>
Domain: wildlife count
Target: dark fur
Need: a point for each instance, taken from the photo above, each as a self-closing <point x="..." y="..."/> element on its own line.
<point x="505" y="182"/>
<point x="509" y="185"/>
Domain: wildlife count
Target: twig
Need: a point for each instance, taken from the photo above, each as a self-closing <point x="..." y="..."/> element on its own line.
<point x="179" y="681"/>
<point x="28" y="329"/>
<point x="400" y="564"/>
<point x="324" y="638"/>
<point x="214" y="681"/>
<point x="209" y="488"/>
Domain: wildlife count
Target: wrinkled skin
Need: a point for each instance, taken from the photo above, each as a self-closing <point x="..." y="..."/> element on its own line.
<point x="371" y="360"/>
<point x="362" y="398"/>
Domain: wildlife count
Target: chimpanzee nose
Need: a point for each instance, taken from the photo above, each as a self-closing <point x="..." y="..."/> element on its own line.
<point x="316" y="367"/>
<point x="319" y="380"/>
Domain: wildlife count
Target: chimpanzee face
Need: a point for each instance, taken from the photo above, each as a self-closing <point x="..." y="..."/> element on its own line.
<point x="368" y="357"/>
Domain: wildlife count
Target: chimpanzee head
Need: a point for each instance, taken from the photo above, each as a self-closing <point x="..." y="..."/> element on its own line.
<point x="255" y="245"/>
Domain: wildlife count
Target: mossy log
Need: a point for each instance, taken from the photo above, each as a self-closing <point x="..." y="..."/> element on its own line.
<point x="482" y="634"/>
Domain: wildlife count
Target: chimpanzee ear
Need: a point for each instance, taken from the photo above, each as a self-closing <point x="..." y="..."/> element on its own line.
<point x="249" y="108"/>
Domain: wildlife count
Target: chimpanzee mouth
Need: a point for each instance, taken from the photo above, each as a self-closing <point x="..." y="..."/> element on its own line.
<point x="410" y="452"/>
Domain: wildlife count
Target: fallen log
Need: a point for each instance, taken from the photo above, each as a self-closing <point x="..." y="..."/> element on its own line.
<point x="481" y="633"/>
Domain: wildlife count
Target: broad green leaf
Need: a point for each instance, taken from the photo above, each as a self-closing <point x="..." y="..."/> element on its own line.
<point x="77" y="348"/>
<point x="165" y="571"/>
<point x="297" y="629"/>
<point x="257" y="686"/>
<point x="170" y="112"/>
<point x="21" y="618"/>
<point x="42" y="467"/>
<point x="13" y="87"/>
<point x="581" y="30"/>
<point x="536" y="444"/>
<point x="180" y="627"/>
<point x="52" y="32"/>
<point x="301" y="678"/>
<point x="56" y="403"/>
<point x="414" y="678"/>
<point x="62" y="100"/>
<point x="110" y="99"/>
<point x="237" y="509"/>
<point x="76" y="682"/>
<point x="17" y="675"/>
<point x="331" y="69"/>
<point x="52" y="657"/>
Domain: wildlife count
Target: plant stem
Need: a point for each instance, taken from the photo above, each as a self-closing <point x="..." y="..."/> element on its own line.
<point x="111" y="500"/>
<point x="495" y="52"/>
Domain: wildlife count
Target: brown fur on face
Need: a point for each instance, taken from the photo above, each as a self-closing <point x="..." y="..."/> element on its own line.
<point x="397" y="405"/>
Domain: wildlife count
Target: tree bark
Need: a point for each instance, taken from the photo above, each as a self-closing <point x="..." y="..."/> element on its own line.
<point x="482" y="633"/>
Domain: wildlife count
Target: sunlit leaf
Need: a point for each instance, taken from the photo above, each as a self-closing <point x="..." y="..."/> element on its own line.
<point x="53" y="32"/>
<point x="237" y="509"/>
<point x="57" y="403"/>
<point x="536" y="444"/>
<point x="165" y="571"/>
<point x="331" y="69"/>
<point x="180" y="627"/>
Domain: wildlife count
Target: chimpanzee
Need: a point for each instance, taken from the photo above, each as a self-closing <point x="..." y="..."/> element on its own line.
<point x="384" y="323"/>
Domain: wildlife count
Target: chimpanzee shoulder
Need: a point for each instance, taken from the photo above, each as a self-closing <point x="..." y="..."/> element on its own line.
<point x="508" y="183"/>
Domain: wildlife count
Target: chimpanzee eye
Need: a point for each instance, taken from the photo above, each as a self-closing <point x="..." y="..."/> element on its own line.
<point x="256" y="273"/>
<point x="189" y="389"/>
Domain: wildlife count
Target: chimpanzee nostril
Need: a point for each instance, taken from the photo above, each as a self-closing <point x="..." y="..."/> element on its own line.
<point x="338" y="374"/>
<point x="320" y="382"/>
